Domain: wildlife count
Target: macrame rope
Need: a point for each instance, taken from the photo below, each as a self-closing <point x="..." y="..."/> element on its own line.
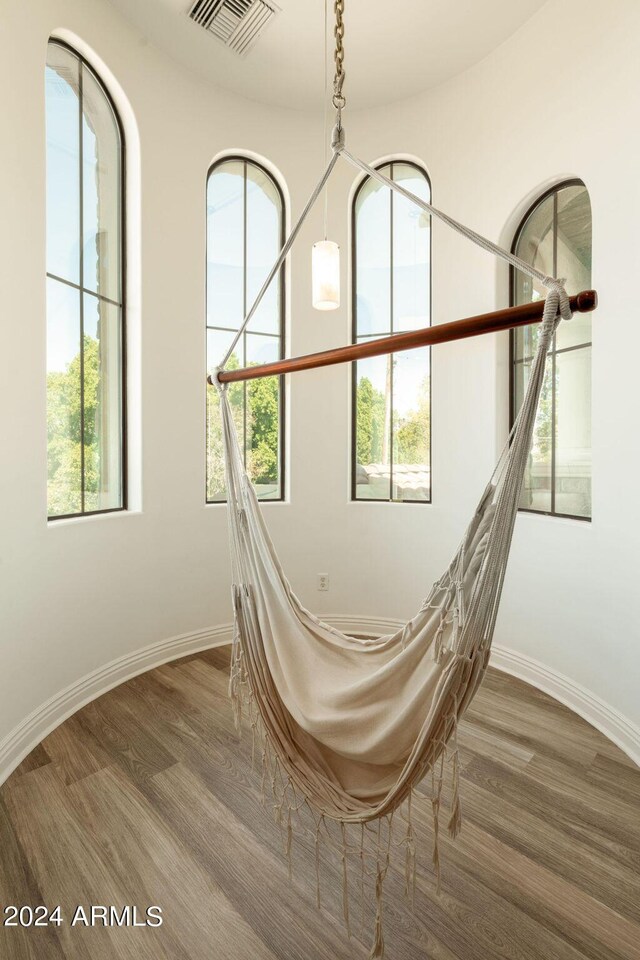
<point x="455" y="819"/>
<point x="339" y="149"/>
<point x="345" y="880"/>
<point x="476" y="238"/>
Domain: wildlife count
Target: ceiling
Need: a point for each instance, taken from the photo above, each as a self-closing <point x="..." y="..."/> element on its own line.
<point x="393" y="48"/>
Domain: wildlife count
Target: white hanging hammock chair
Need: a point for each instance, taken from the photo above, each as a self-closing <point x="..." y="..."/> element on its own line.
<point x="349" y="726"/>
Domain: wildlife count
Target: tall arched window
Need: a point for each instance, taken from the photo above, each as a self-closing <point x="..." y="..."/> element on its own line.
<point x="555" y="237"/>
<point x="391" y="456"/>
<point x="85" y="291"/>
<point x="245" y="232"/>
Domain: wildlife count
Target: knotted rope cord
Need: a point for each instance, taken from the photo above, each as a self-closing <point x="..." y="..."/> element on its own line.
<point x="477" y="238"/>
<point x="483" y="605"/>
<point x="339" y="149"/>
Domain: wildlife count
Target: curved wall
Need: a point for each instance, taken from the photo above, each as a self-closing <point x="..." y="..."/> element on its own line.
<point x="549" y="103"/>
<point x="77" y="595"/>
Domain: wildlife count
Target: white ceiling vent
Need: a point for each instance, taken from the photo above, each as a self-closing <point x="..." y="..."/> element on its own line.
<point x="237" y="23"/>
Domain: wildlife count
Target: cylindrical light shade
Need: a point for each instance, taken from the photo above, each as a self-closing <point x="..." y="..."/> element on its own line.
<point x="325" y="275"/>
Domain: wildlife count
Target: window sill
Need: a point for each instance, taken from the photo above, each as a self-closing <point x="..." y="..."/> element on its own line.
<point x="390" y="503"/>
<point x="54" y="522"/>
<point x="262" y="503"/>
<point x="586" y="522"/>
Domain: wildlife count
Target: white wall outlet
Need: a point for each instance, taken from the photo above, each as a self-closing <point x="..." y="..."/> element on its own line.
<point x="323" y="581"/>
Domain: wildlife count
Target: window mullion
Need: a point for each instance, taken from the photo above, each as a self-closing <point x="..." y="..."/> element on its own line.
<point x="553" y="363"/>
<point x="81" y="267"/>
<point x="391" y="324"/>
<point x="244" y="308"/>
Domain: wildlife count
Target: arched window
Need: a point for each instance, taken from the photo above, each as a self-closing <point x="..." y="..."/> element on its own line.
<point x="555" y="237"/>
<point x="245" y="232"/>
<point x="85" y="291"/>
<point x="391" y="456"/>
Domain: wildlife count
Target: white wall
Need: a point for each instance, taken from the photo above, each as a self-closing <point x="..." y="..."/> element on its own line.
<point x="559" y="98"/>
<point x="76" y="595"/>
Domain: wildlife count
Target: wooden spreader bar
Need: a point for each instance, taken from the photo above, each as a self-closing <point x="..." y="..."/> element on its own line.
<point x="441" y="333"/>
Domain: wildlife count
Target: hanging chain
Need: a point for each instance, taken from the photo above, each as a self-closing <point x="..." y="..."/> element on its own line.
<point x="339" y="100"/>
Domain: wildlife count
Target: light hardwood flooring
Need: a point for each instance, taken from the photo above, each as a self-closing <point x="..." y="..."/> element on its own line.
<point x="146" y="796"/>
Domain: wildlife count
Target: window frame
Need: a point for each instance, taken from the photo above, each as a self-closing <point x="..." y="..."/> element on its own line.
<point x="354" y="334"/>
<point x="552" y="191"/>
<point x="82" y="291"/>
<point x="281" y="336"/>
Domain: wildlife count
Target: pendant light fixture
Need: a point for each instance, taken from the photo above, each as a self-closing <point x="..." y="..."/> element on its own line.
<point x="325" y="275"/>
<point x="325" y="254"/>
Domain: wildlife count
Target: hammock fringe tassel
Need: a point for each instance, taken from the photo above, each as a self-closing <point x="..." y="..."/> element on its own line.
<point x="373" y="849"/>
<point x="455" y="820"/>
<point x="377" y="950"/>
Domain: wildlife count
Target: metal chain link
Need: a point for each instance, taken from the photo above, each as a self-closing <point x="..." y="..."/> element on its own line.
<point x="339" y="101"/>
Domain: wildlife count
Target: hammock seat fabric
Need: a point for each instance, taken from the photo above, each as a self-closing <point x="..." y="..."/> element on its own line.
<point x="354" y="725"/>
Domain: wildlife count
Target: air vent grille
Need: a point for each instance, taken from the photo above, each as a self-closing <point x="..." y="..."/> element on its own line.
<point x="237" y="23"/>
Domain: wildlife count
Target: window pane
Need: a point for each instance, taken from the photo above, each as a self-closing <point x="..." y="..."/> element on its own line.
<point x="103" y="440"/>
<point x="373" y="258"/>
<point x="101" y="180"/>
<point x="525" y="340"/>
<point x="411" y="426"/>
<point x="574" y="259"/>
<point x="573" y="432"/>
<point x="218" y="342"/>
<point x="262" y="349"/>
<point x="64" y="485"/>
<point x="215" y="450"/>
<point x="535" y="246"/>
<point x="373" y="429"/>
<point x="263" y="246"/>
<point x="263" y="420"/>
<point x="225" y="246"/>
<point x="411" y="252"/>
<point x="536" y="489"/>
<point x="216" y="487"/>
<point x="574" y="237"/>
<point x="63" y="163"/>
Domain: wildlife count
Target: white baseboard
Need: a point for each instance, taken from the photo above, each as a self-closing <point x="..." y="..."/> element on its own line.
<point x="45" y="718"/>
<point x="31" y="731"/>
<point x="601" y="715"/>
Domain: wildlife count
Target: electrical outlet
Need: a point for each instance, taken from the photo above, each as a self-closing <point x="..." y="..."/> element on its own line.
<point x="323" y="581"/>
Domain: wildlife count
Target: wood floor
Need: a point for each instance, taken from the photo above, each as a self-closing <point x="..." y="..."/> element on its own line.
<point x="146" y="797"/>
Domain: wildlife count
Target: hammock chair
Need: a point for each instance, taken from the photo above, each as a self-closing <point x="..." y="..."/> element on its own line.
<point x="350" y="726"/>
